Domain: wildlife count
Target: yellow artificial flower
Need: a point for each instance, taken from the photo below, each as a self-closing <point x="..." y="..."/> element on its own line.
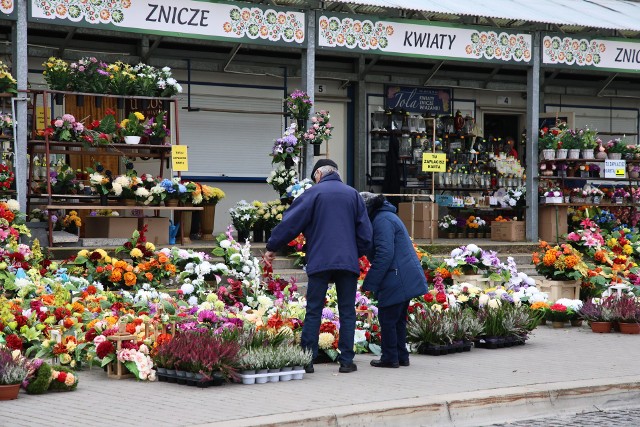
<point x="150" y="246"/>
<point x="139" y="115"/>
<point x="136" y="253"/>
<point x="83" y="253"/>
<point x="627" y="249"/>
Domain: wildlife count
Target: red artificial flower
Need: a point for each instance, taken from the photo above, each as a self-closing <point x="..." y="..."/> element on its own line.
<point x="104" y="349"/>
<point x="428" y="297"/>
<point x="110" y="112"/>
<point x="441" y="298"/>
<point x="61" y="313"/>
<point x="558" y="307"/>
<point x="21" y="320"/>
<point x="91" y="290"/>
<point x="13" y="342"/>
<point x="62" y="376"/>
<point x="90" y="335"/>
<point x="59" y="349"/>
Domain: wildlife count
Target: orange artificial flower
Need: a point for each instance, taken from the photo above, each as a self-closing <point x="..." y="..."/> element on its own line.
<point x="162" y="258"/>
<point x="549" y="258"/>
<point x="116" y="276"/>
<point x="571" y="261"/>
<point x="129" y="278"/>
<point x="149" y="276"/>
<point x="120" y="264"/>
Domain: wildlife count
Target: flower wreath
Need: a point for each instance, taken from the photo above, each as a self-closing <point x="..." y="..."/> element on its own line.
<point x="63" y="379"/>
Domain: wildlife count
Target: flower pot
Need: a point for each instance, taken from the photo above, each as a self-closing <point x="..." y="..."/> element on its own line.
<point x="58" y="98"/>
<point x="597" y="199"/>
<point x="634" y="174"/>
<point x="576" y="322"/>
<point x="630" y="328"/>
<point x="129" y="202"/>
<point x="460" y="235"/>
<point x="162" y="371"/>
<point x="548" y="154"/>
<point x="274" y="378"/>
<point x="601" y="327"/>
<point x="80" y="100"/>
<point x="618" y="200"/>
<point x="120" y="103"/>
<point x="258" y="235"/>
<point x="171" y="202"/>
<point x="574" y="154"/>
<point x="132" y="140"/>
<point x="614" y="156"/>
<point x="9" y="392"/>
<point x="262" y="379"/>
<point x="587" y="153"/>
<point x="98" y="101"/>
<point x="156" y="140"/>
<point x="208" y="216"/>
<point x="104" y="200"/>
<point x="248" y="380"/>
<point x="267" y="235"/>
<point x="300" y="375"/>
<point x="561" y="153"/>
<point x="557" y="325"/>
<point x="283" y="373"/>
<point x="601" y="155"/>
<point x="316" y="150"/>
<point x="451" y="235"/>
<point x="243" y="236"/>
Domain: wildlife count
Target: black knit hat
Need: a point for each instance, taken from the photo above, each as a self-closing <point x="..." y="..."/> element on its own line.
<point x="323" y="162"/>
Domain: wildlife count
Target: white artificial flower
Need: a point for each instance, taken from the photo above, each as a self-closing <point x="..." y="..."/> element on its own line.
<point x="472" y="248"/>
<point x="13" y="205"/>
<point x="187" y="288"/>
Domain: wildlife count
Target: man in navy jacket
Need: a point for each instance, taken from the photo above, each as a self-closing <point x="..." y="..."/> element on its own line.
<point x="333" y="218"/>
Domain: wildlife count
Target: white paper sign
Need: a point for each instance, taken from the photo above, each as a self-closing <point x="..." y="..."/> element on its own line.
<point x="615" y="168"/>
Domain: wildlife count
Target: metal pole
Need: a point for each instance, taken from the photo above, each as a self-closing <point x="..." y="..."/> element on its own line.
<point x="361" y="130"/>
<point x="308" y="84"/>
<point x="533" y="110"/>
<point x="20" y="67"/>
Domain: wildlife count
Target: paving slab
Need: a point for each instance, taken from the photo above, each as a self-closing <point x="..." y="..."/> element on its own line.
<point x="557" y="368"/>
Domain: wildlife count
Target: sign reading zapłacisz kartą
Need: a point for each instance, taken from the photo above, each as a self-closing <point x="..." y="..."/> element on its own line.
<point x="418" y="99"/>
<point x="184" y="18"/>
<point x="417" y="38"/>
<point x="615" y="168"/>
<point x="581" y="52"/>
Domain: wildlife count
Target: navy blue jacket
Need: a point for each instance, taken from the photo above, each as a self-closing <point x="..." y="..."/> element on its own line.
<point x="333" y="218"/>
<point x="396" y="274"/>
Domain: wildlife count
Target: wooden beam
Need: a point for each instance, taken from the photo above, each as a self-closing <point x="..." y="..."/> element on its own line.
<point x="66" y="41"/>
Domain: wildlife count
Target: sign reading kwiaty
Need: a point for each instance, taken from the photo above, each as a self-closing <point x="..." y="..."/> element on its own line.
<point x="415" y="38"/>
<point x="418" y="99"/>
<point x="186" y="18"/>
<point x="611" y="54"/>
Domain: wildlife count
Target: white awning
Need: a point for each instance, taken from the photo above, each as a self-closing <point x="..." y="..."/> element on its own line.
<point x="622" y="15"/>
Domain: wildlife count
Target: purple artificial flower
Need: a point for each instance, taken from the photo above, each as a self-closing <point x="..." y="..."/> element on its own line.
<point x="207" y="316"/>
<point x="471" y="260"/>
<point x="328" y="314"/>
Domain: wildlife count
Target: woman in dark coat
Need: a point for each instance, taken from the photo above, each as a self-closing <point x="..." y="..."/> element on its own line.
<point x="396" y="276"/>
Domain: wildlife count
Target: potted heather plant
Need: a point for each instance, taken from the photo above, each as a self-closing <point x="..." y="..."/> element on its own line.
<point x="13" y="370"/>
<point x="626" y="311"/>
<point x="598" y="316"/>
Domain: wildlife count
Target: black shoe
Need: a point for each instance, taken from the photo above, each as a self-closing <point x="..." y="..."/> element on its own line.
<point x="309" y="368"/>
<point x="404" y="362"/>
<point x="345" y="368"/>
<point x="381" y="364"/>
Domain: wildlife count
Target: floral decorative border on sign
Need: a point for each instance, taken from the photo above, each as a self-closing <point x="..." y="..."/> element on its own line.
<point x="268" y="25"/>
<point x="573" y="51"/>
<point x="352" y="33"/>
<point x="6" y="6"/>
<point x="502" y="46"/>
<point x="92" y="11"/>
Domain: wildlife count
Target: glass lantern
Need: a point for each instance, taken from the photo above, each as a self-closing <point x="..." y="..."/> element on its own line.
<point x="379" y="118"/>
<point x="405" y="146"/>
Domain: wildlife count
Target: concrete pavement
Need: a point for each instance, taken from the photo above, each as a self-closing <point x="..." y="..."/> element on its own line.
<point x="557" y="371"/>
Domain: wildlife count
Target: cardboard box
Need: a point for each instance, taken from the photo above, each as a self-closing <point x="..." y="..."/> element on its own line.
<point x="422" y="211"/>
<point x="508" y="231"/>
<point x="110" y="226"/>
<point x="422" y="229"/>
<point x="552" y="222"/>
<point x="157" y="230"/>
<point x="421" y="219"/>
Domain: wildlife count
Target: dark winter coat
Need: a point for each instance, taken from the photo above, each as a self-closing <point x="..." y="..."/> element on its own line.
<point x="333" y="218"/>
<point x="396" y="274"/>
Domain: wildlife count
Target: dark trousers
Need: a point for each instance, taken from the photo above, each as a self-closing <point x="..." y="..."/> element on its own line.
<point x="346" y="283"/>
<point x="393" y="325"/>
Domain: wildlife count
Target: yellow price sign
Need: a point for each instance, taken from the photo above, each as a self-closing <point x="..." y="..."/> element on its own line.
<point x="434" y="162"/>
<point x="620" y="172"/>
<point x="180" y="158"/>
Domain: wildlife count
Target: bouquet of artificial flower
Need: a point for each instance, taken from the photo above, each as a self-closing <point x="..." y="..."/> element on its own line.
<point x="299" y="104"/>
<point x="286" y="147"/>
<point x="561" y="262"/>
<point x="65" y="128"/>
<point x="448" y="223"/>
<point x="57" y="73"/>
<point x="7" y="83"/>
<point x="617" y="145"/>
<point x="620" y="192"/>
<point x="320" y="129"/>
<point x="243" y="215"/>
<point x="281" y="178"/>
<point x="298" y="187"/>
<point x="133" y="126"/>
